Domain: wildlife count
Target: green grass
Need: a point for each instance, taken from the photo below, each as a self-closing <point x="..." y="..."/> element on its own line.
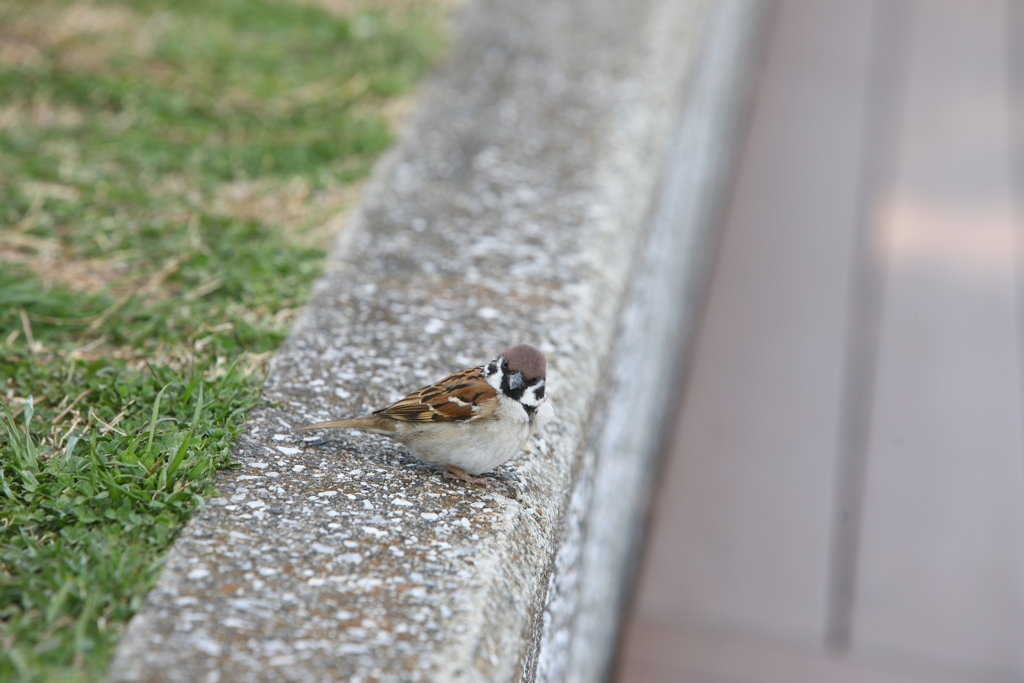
<point x="166" y="167"/>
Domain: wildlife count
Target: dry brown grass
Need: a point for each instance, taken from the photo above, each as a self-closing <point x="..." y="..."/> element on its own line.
<point x="81" y="36"/>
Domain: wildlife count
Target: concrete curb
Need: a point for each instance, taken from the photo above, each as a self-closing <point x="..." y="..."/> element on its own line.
<point x="524" y="204"/>
<point x="603" y="530"/>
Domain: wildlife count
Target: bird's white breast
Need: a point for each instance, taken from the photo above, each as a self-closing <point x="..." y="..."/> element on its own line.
<point x="475" y="446"/>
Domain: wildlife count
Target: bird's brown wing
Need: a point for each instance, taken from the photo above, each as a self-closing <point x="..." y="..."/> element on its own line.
<point x="461" y="397"/>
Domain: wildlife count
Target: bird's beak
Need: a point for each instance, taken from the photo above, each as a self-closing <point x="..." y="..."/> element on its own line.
<point x="515" y="380"/>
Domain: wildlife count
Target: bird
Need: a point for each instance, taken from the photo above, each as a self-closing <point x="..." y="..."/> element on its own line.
<point x="469" y="422"/>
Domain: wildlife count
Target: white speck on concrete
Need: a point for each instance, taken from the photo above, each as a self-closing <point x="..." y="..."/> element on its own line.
<point x="205" y="644"/>
<point x="488" y="313"/>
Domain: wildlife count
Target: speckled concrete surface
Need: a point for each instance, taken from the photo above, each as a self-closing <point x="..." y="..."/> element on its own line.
<point x="513" y="210"/>
<point x="603" y="526"/>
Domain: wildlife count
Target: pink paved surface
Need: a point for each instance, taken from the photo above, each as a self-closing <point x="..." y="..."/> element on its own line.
<point x="843" y="497"/>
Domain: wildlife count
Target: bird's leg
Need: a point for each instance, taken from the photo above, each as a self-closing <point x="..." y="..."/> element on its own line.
<point x="457" y="473"/>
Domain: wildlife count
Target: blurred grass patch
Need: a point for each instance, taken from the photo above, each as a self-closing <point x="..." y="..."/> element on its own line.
<point x="170" y="171"/>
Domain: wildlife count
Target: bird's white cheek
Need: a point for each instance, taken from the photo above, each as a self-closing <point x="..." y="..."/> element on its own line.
<point x="494" y="380"/>
<point x="529" y="397"/>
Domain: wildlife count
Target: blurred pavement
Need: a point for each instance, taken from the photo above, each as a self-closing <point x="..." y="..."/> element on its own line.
<point x="843" y="496"/>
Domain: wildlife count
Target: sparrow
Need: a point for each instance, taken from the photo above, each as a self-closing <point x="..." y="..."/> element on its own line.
<point x="469" y="422"/>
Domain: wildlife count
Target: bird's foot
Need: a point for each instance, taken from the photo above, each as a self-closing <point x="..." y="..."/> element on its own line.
<point x="458" y="473"/>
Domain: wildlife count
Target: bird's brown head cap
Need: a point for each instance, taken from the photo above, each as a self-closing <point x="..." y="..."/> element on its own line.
<point x="527" y="360"/>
